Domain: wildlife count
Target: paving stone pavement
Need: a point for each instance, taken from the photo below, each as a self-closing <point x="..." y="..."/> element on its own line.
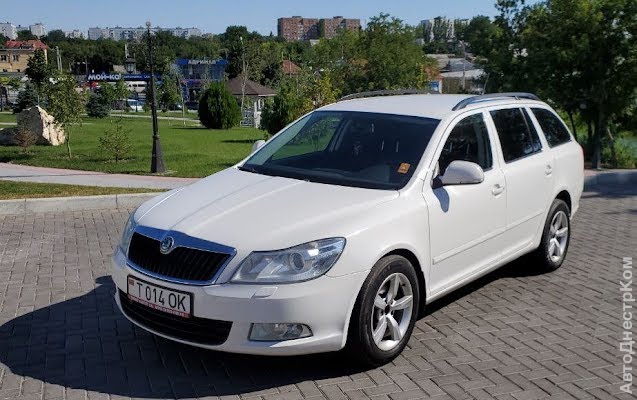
<point x="513" y="334"/>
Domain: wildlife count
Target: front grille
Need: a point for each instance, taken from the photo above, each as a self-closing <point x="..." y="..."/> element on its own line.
<point x="181" y="263"/>
<point x="197" y="330"/>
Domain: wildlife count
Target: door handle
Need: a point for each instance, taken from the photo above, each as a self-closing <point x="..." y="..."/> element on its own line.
<point x="548" y="170"/>
<point x="497" y="189"/>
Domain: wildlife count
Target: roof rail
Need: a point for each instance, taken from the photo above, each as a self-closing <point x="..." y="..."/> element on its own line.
<point x="494" y="96"/>
<point x="393" y="92"/>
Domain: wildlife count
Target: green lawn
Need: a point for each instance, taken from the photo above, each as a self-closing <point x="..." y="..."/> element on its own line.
<point x="23" y="190"/>
<point x="160" y="113"/>
<point x="189" y="151"/>
<point x="6" y="117"/>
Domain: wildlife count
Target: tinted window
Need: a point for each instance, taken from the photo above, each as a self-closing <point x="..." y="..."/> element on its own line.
<point x="518" y="137"/>
<point x="553" y="128"/>
<point x="369" y="150"/>
<point x="468" y="141"/>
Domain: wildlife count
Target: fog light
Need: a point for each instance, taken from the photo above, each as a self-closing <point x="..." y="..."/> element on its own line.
<point x="276" y="332"/>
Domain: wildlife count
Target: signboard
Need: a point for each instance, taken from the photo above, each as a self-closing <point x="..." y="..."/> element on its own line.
<point x="114" y="77"/>
<point x="434" y="86"/>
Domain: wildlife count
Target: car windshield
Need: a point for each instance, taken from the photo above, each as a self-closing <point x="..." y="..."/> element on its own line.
<point x="361" y="149"/>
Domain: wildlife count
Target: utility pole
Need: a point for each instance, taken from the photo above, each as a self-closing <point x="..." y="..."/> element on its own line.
<point x="157" y="159"/>
<point x="243" y="74"/>
<point x="464" y="66"/>
<point x="58" y="58"/>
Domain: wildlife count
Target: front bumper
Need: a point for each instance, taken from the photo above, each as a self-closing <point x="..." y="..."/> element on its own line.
<point x="324" y="304"/>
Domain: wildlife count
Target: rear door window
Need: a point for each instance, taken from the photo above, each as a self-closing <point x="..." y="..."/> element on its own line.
<point x="553" y="128"/>
<point x="517" y="134"/>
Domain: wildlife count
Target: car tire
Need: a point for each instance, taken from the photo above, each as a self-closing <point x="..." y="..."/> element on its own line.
<point x="388" y="306"/>
<point x="556" y="237"/>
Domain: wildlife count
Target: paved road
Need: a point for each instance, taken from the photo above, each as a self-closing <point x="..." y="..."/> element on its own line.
<point x="27" y="173"/>
<point x="511" y="335"/>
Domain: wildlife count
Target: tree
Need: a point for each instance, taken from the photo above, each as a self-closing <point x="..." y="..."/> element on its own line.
<point x="359" y="61"/>
<point x="280" y="111"/>
<point x="38" y="70"/>
<point x="66" y="104"/>
<point x="113" y="92"/>
<point x="169" y="90"/>
<point x="27" y="98"/>
<point x="480" y="34"/>
<point x="98" y="105"/>
<point x="116" y="140"/>
<point x="56" y="35"/>
<point x="591" y="72"/>
<point x="26" y="35"/>
<point x="218" y="109"/>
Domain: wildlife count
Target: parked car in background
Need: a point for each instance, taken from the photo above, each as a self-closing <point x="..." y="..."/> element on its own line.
<point x="135" y="105"/>
<point x="339" y="230"/>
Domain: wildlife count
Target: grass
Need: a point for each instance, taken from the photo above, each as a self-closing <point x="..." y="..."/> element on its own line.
<point x="7" y="117"/>
<point x="173" y="113"/>
<point x="24" y="190"/>
<point x="190" y="151"/>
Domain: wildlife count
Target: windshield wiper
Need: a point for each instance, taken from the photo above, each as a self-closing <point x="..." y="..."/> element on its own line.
<point x="248" y="169"/>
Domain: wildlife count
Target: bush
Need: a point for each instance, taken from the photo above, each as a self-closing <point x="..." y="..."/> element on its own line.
<point x="218" y="109"/>
<point x="619" y="154"/>
<point x="26" y="98"/>
<point x="98" y="106"/>
<point x="278" y="113"/>
<point x="116" y="140"/>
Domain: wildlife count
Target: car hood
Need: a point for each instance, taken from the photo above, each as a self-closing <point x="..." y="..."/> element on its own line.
<point x="258" y="212"/>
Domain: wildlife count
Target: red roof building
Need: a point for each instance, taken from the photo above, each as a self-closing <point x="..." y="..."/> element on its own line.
<point x="33" y="44"/>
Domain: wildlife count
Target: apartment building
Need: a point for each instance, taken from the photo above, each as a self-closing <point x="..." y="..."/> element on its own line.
<point x="120" y="33"/>
<point x="298" y="28"/>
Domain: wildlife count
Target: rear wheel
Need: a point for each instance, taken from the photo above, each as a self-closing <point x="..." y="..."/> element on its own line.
<point x="385" y="311"/>
<point x="555" y="238"/>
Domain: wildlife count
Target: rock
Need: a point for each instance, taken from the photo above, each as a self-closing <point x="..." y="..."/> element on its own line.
<point x="39" y="123"/>
<point x="7" y="136"/>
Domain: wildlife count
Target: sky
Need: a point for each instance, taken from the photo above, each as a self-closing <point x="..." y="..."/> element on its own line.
<point x="213" y="16"/>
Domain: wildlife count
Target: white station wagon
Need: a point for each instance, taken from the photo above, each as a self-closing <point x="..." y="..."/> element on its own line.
<point x="339" y="230"/>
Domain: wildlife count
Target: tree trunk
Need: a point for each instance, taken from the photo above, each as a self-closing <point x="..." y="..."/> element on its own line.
<point x="68" y="142"/>
<point x="573" y="126"/>
<point x="613" y="153"/>
<point x="600" y="129"/>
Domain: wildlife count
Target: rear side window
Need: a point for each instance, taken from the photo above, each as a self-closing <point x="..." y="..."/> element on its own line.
<point x="553" y="128"/>
<point x="468" y="141"/>
<point x="518" y="137"/>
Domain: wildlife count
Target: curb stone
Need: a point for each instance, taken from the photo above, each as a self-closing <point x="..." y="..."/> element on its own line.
<point x="75" y="203"/>
<point x="617" y="177"/>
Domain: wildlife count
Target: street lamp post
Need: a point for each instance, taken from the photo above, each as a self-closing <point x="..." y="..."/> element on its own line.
<point x="157" y="160"/>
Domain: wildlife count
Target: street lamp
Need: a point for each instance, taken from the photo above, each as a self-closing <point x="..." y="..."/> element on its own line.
<point x="157" y="160"/>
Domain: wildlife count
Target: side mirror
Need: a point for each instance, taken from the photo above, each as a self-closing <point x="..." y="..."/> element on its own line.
<point x="257" y="145"/>
<point x="462" y="173"/>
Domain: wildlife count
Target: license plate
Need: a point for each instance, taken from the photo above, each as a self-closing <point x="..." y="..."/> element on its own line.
<point x="160" y="298"/>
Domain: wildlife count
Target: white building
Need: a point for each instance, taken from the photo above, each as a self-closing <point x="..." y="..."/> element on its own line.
<point x="428" y="26"/>
<point x="9" y="30"/>
<point x="120" y="33"/>
<point x="38" y="29"/>
<point x="74" y="34"/>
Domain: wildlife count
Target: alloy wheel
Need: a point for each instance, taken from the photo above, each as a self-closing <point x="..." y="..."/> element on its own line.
<point x="392" y="311"/>
<point x="558" y="236"/>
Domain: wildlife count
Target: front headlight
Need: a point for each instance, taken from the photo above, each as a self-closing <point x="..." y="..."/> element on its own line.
<point x="300" y="263"/>
<point x="127" y="235"/>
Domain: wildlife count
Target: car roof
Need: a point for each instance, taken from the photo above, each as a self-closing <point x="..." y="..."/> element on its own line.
<point x="437" y="106"/>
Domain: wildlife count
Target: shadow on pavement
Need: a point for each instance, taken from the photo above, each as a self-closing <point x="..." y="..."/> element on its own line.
<point x="85" y="343"/>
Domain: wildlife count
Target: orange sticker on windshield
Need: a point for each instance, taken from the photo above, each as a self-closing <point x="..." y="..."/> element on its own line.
<point x="404" y="167"/>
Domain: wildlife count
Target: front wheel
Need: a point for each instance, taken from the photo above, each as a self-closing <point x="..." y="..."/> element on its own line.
<point x="385" y="312"/>
<point x="555" y="237"/>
